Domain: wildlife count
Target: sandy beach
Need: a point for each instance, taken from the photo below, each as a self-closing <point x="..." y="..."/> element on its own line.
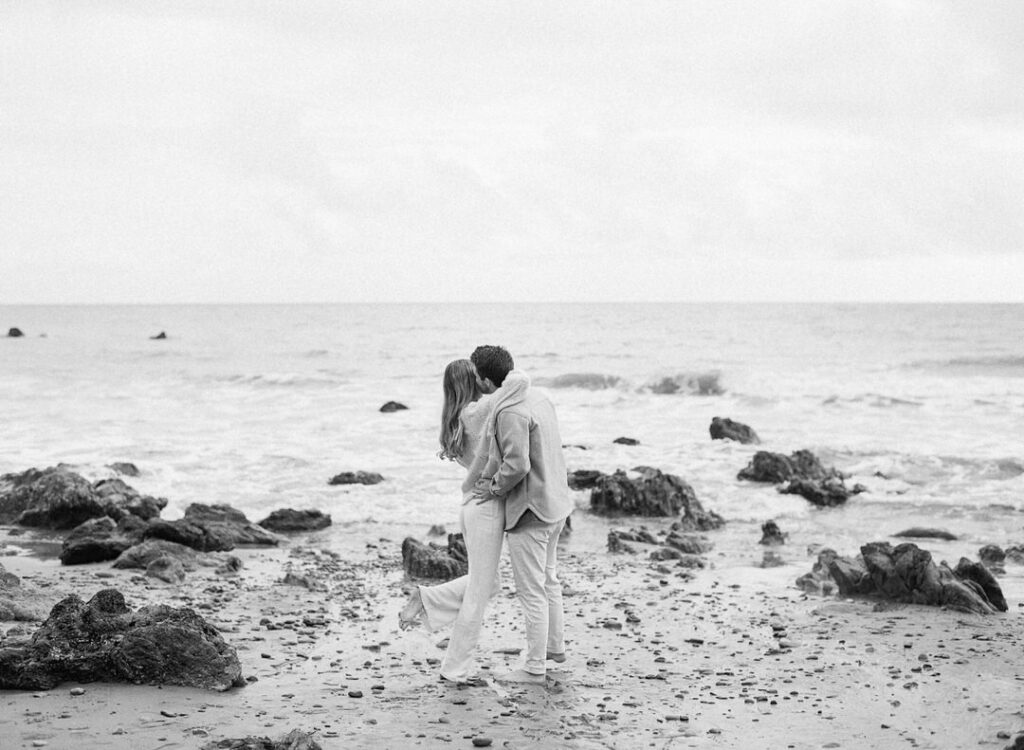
<point x="659" y="656"/>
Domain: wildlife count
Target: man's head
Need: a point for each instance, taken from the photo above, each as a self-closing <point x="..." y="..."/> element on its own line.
<point x="492" y="364"/>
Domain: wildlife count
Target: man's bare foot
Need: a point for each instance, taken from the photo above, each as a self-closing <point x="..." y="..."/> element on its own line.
<point x="410" y="614"/>
<point x="558" y="658"/>
<point x="521" y="676"/>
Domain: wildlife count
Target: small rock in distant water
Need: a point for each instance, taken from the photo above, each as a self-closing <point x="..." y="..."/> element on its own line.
<point x="723" y="428"/>
<point x="919" y="532"/>
<point x="159" y="337"/>
<point x="289" y="520"/>
<point x="15" y="333"/>
<point x="391" y="406"/>
<point x="124" y="468"/>
<point x="771" y="534"/>
<point x="356" y="477"/>
<point x="626" y="441"/>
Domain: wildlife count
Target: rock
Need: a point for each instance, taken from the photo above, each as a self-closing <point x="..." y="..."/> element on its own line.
<point x="167" y="569"/>
<point x="294" y="740"/>
<point x="391" y="406"/>
<point x="54" y="498"/>
<point x="686" y="560"/>
<point x="637" y="535"/>
<point x="584" y="479"/>
<point x="626" y="441"/>
<point x="771" y="534"/>
<point x="197" y="536"/>
<point x="95" y="540"/>
<point x="230" y="523"/>
<point x="723" y="428"/>
<point x="288" y="520"/>
<point x="17" y="603"/>
<point x="776" y="468"/>
<point x="819" y="580"/>
<point x="14" y="333"/>
<point x="437" y="530"/>
<point x="120" y="499"/>
<point x="691" y="544"/>
<point x="356" y="477"/>
<point x="919" y="532"/>
<point x="159" y="337"/>
<point x="653" y="494"/>
<point x="993" y="558"/>
<point x="825" y="493"/>
<point x="141" y="555"/>
<point x="907" y="574"/>
<point x="433" y="561"/>
<point x="104" y="640"/>
<point x="617" y="545"/>
<point x="1015" y="554"/>
<point x="124" y="468"/>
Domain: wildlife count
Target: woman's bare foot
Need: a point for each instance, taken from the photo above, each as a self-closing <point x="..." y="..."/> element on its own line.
<point x="410" y="614"/>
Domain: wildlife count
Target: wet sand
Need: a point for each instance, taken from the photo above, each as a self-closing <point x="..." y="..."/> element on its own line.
<point x="732" y="656"/>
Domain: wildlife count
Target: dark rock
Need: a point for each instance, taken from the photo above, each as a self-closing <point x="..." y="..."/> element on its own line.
<point x="167" y="569"/>
<point x="771" y="534"/>
<point x="584" y="479"/>
<point x="231" y="524"/>
<point x="819" y="580"/>
<point x="919" y="532"/>
<point x="95" y="540"/>
<point x="288" y="520"/>
<point x="907" y="574"/>
<point x="159" y="337"/>
<point x="776" y="468"/>
<point x="993" y="558"/>
<point x="124" y="468"/>
<point x="14" y="333"/>
<point x="617" y="543"/>
<point x="1015" y="554"/>
<point x="433" y="561"/>
<point x="723" y="428"/>
<point x="141" y="555"/>
<point x="294" y="740"/>
<point x="54" y="498"/>
<point x="197" y="536"/>
<point x="356" y="477"/>
<point x="104" y="640"/>
<point x="652" y="494"/>
<point x="626" y="441"/>
<point x="691" y="544"/>
<point x="824" y="493"/>
<point x="391" y="406"/>
<point x="967" y="570"/>
<point x="120" y="499"/>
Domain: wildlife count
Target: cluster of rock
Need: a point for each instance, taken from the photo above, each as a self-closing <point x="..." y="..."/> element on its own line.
<point x="294" y="740"/>
<point x="104" y="640"/>
<point x="433" y="560"/>
<point x="687" y="549"/>
<point x="652" y="493"/>
<point x="907" y="574"/>
<point x="800" y="474"/>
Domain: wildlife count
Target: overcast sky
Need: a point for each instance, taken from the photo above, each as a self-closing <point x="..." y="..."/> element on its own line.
<point x="422" y="151"/>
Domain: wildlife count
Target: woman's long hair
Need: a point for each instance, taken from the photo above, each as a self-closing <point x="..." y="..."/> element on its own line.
<point x="460" y="388"/>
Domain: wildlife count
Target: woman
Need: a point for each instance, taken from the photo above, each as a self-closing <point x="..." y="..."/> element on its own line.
<point x="467" y="436"/>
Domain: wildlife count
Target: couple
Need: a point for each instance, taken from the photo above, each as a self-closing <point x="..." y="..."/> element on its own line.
<point x="506" y="435"/>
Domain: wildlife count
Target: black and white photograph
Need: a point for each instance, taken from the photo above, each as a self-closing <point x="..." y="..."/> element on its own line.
<point x="524" y="375"/>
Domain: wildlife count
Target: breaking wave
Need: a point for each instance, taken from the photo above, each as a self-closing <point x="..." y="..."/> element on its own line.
<point x="591" y="381"/>
<point x="1012" y="365"/>
<point x="707" y="383"/>
<point x="876" y="400"/>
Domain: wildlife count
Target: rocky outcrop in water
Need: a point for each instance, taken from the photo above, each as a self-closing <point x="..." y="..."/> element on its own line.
<point x="144" y="553"/>
<point x="920" y="532"/>
<point x="197" y="536"/>
<point x="993" y="557"/>
<point x="288" y="520"/>
<point x="159" y="337"/>
<point x="14" y="333"/>
<point x="723" y="428"/>
<point x="771" y="534"/>
<point x="626" y="441"/>
<point x="802" y="474"/>
<point x="433" y="560"/>
<point x="653" y="493"/>
<point x="356" y="477"/>
<point x="231" y="524"/>
<point x="104" y="640"/>
<point x="120" y="499"/>
<point x="392" y="406"/>
<point x="584" y="479"/>
<point x="907" y="574"/>
<point x="124" y="468"/>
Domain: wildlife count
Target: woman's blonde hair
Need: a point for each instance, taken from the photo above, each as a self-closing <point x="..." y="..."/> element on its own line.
<point x="460" y="388"/>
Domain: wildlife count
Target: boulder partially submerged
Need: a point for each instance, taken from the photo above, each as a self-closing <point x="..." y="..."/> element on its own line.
<point x="584" y="479"/>
<point x="96" y="540"/>
<point x="723" y="428"/>
<point x="907" y="574"/>
<point x="289" y="520"/>
<point x="653" y="493"/>
<point x="104" y="640"/>
<point x="771" y="534"/>
<point x="434" y="560"/>
<point x="231" y="524"/>
<point x="800" y="473"/>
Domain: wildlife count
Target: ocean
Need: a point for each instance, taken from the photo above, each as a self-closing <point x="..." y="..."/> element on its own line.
<point x="259" y="406"/>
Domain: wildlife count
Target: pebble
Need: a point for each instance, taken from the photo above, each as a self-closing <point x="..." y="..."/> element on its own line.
<point x="355" y="693"/>
<point x="78" y="691"/>
<point x="482" y="741"/>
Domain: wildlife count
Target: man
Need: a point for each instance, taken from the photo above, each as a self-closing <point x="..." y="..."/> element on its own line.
<point x="532" y="480"/>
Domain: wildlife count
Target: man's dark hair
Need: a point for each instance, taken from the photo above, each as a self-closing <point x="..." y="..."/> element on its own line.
<point x="492" y="362"/>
